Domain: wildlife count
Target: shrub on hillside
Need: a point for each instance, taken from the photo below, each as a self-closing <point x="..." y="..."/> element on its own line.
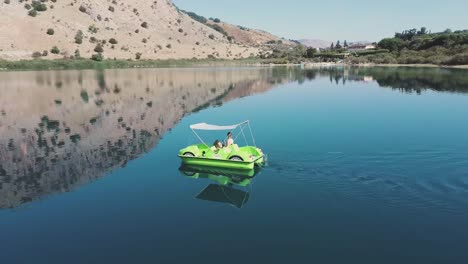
<point x="97" y="57"/>
<point x="93" y="29"/>
<point x="45" y="53"/>
<point x="27" y="6"/>
<point x="36" y="55"/>
<point x="38" y="6"/>
<point x="138" y="55"/>
<point x="77" y="54"/>
<point x="55" y="50"/>
<point x="111" y="8"/>
<point x="216" y="20"/>
<point x="82" y="9"/>
<point x="459" y="59"/>
<point x="168" y="46"/>
<point x="7" y="2"/>
<point x="196" y="17"/>
<point x="98" y="48"/>
<point x="211" y="36"/>
<point x="79" y="37"/>
<point x="113" y="41"/>
<point x="144" y="25"/>
<point x="50" y="31"/>
<point x="32" y="13"/>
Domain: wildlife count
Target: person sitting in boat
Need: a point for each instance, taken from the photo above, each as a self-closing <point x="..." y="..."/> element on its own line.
<point x="217" y="145"/>
<point x="230" y="140"/>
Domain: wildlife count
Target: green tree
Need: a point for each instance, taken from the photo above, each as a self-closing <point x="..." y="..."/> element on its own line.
<point x="332" y="46"/>
<point x="392" y="44"/>
<point x="338" y="45"/>
<point x="423" y="31"/>
<point x="311" y="52"/>
<point x="345" y="44"/>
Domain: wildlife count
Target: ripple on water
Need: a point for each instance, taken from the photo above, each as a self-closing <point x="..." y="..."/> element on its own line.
<point x="419" y="178"/>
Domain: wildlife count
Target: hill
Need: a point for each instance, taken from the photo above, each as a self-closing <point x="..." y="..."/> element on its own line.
<point x="315" y="43"/>
<point x="421" y="47"/>
<point x="239" y="34"/>
<point x="145" y="29"/>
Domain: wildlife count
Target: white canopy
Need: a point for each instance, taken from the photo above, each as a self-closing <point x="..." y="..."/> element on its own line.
<point x="205" y="126"/>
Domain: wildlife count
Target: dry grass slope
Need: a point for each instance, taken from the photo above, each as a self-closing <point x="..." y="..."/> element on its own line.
<point x="145" y="29"/>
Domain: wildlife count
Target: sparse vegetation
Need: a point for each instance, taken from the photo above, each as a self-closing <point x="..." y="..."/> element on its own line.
<point x="144" y="25"/>
<point x="50" y="31"/>
<point x="113" y="41"/>
<point x="211" y="36"/>
<point x="138" y="55"/>
<point x="82" y="9"/>
<point x="111" y="8"/>
<point x="196" y="17"/>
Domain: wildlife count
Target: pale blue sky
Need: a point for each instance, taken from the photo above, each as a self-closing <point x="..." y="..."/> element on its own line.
<point x="338" y="19"/>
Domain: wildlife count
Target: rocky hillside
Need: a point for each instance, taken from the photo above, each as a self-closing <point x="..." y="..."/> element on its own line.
<point x="146" y="29"/>
<point x="247" y="36"/>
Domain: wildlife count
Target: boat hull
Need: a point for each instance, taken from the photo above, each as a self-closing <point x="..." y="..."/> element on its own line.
<point x="220" y="163"/>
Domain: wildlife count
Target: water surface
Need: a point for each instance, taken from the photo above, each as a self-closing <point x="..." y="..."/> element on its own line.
<point x="365" y="165"/>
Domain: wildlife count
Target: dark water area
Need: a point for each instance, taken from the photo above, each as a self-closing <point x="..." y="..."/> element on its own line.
<point x="365" y="165"/>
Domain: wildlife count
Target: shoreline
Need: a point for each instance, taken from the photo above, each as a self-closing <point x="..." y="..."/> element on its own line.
<point x="86" y="64"/>
<point x="413" y="65"/>
<point x="328" y="64"/>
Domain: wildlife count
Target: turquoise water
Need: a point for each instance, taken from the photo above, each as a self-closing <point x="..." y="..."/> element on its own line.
<point x="365" y="165"/>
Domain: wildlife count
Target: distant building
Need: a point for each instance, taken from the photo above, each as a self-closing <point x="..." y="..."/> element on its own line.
<point x="361" y="47"/>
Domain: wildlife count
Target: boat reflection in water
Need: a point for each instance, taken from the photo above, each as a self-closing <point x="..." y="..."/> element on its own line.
<point x="231" y="186"/>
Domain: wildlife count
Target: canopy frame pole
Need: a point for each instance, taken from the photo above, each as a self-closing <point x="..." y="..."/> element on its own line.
<point x="200" y="138"/>
<point x="242" y="130"/>
<point x="251" y="134"/>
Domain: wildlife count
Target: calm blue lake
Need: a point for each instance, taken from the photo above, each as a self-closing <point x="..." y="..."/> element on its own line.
<point x="365" y="165"/>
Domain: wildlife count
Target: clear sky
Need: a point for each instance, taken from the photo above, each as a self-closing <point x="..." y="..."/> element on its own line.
<point x="353" y="20"/>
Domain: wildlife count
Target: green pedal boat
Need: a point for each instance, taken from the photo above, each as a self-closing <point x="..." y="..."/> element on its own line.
<point x="229" y="157"/>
